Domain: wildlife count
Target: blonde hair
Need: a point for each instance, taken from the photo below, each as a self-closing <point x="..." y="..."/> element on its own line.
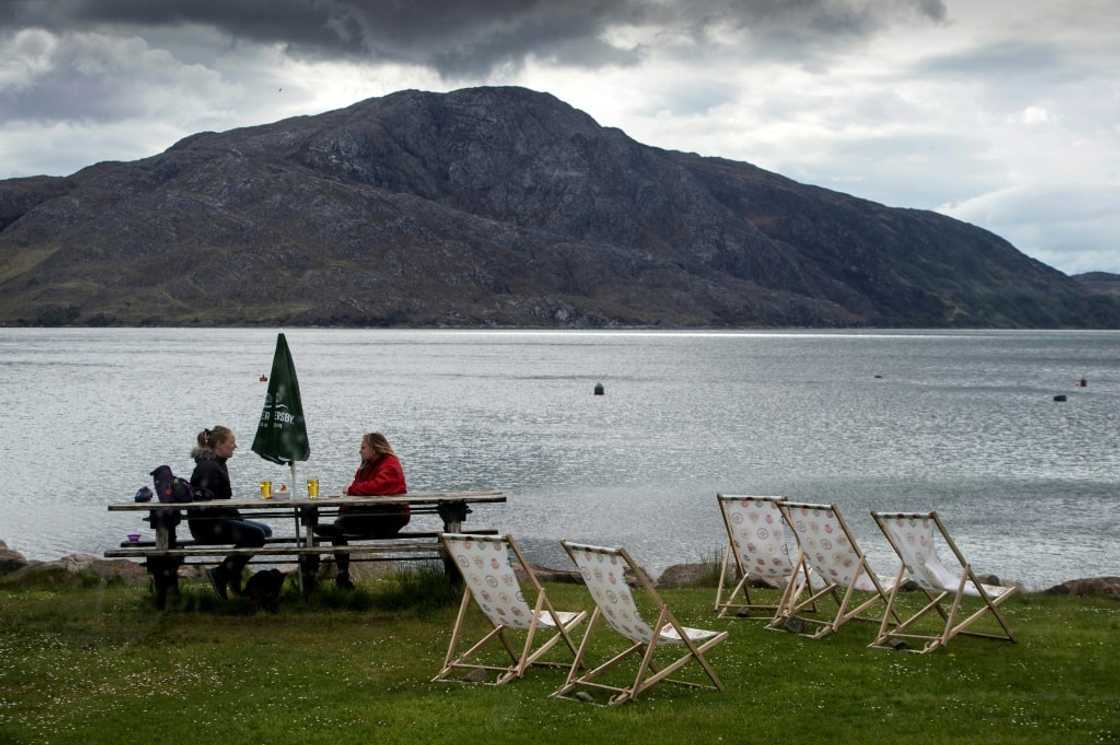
<point x="378" y="443"/>
<point x="216" y="435"/>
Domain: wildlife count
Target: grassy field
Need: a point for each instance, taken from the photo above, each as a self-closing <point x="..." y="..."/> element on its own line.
<point x="99" y="665"/>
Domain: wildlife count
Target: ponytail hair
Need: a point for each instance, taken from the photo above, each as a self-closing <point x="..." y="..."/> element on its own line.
<point x="216" y="435"/>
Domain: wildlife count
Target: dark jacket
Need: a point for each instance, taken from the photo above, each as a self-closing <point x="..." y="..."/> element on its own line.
<point x="210" y="480"/>
<point x="382" y="478"/>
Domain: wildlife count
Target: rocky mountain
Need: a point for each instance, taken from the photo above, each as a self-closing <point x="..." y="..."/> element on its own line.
<point x="492" y="206"/>
<point x="1099" y="283"/>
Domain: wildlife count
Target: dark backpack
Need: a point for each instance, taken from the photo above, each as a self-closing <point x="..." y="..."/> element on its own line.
<point x="171" y="488"/>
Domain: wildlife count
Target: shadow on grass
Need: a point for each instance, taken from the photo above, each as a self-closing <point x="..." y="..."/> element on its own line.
<point x="422" y="591"/>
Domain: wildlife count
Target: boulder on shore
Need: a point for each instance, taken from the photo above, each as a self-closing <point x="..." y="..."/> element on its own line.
<point x="700" y="575"/>
<point x="547" y="574"/>
<point x="1107" y="586"/>
<point x="76" y="570"/>
<point x="685" y="575"/>
<point x="10" y="560"/>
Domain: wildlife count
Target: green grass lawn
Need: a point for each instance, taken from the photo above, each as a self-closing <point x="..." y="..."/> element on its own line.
<point x="99" y="665"/>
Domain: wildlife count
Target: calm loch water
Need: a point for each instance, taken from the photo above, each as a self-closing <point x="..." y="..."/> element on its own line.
<point x="961" y="422"/>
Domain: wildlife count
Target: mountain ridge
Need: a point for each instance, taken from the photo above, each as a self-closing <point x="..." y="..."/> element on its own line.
<point x="492" y="207"/>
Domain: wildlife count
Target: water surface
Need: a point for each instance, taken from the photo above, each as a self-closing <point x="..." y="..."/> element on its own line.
<point x="959" y="422"/>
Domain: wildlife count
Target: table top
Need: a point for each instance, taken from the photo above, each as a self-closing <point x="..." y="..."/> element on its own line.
<point x="279" y="501"/>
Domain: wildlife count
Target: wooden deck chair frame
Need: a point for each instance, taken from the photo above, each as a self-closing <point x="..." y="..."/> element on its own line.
<point x="728" y="605"/>
<point x="788" y="616"/>
<point x="520" y="661"/>
<point x="649" y="672"/>
<point x="890" y="636"/>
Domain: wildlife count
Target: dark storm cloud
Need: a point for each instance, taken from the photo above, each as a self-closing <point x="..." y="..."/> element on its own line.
<point x="811" y="18"/>
<point x="471" y="37"/>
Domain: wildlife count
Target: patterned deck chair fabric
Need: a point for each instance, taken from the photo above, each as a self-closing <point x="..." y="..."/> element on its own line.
<point x="913" y="535"/>
<point x="829" y="551"/>
<point x="484" y="562"/>
<point x="760" y="548"/>
<point x="604" y="572"/>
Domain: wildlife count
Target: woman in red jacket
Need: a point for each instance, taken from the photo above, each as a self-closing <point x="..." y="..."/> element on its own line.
<point x="379" y="475"/>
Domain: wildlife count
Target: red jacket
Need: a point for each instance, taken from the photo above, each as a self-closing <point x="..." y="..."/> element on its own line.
<point x="382" y="478"/>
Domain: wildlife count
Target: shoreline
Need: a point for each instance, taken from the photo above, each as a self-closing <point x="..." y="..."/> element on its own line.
<point x="88" y="568"/>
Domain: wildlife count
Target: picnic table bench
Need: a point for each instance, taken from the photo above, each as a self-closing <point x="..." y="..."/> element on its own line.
<point x="166" y="553"/>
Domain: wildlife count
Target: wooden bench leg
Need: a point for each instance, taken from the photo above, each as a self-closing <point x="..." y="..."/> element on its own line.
<point x="165" y="578"/>
<point x="453" y="514"/>
<point x="309" y="572"/>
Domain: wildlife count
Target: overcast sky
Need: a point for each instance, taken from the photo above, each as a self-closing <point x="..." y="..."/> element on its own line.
<point x="1003" y="113"/>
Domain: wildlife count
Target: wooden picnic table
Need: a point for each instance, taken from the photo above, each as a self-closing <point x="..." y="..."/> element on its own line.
<point x="164" y="558"/>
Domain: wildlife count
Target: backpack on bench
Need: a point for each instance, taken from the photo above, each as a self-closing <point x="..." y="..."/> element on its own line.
<point x="171" y="488"/>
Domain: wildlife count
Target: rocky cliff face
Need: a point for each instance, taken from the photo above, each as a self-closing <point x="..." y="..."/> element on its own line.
<point x="491" y="206"/>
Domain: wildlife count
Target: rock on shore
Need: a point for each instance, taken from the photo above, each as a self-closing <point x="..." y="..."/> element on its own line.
<point x="72" y="570"/>
<point x="1107" y="586"/>
<point x="10" y="561"/>
<point x="547" y="574"/>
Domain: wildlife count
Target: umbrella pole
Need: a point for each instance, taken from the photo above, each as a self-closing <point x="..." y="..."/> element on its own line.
<point x="299" y="571"/>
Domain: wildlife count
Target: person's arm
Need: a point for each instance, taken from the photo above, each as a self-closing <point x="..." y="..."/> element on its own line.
<point x="386" y="480"/>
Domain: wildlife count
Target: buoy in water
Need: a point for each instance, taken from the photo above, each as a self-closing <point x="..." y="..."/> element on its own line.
<point x="878" y="377"/>
<point x="264" y="378"/>
<point x="1060" y="397"/>
<point x="1084" y="382"/>
<point x="599" y="389"/>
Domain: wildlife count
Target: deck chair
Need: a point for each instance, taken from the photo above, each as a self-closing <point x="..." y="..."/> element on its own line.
<point x="829" y="551"/>
<point x="913" y="537"/>
<point x="490" y="581"/>
<point x="760" y="548"/>
<point x="604" y="571"/>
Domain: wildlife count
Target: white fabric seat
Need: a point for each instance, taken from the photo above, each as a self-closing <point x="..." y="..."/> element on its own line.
<point x="605" y="571"/>
<point x="760" y="547"/>
<point x="545" y="619"/>
<point x="490" y="581"/>
<point x="948" y="581"/>
<point x="914" y="536"/>
<point x="828" y="552"/>
<point x="671" y="635"/>
<point x="864" y="583"/>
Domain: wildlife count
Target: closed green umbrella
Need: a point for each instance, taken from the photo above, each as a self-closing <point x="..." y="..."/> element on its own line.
<point x="282" y="432"/>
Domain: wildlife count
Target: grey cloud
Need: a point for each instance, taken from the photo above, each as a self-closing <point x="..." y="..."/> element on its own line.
<point x="905" y="170"/>
<point x="1070" y="226"/>
<point x="1003" y="61"/>
<point x="102" y="78"/>
<point x="696" y="96"/>
<point x="829" y="17"/>
<point x="459" y="38"/>
<point x="472" y="37"/>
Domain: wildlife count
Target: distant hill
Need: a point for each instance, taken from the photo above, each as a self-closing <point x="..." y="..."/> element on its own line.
<point x="1099" y="283"/>
<point x="492" y="207"/>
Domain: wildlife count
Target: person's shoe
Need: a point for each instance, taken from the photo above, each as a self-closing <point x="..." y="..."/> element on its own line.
<point x="343" y="582"/>
<point x="218" y="581"/>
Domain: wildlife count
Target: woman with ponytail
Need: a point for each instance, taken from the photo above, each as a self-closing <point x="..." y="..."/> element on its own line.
<point x="379" y="475"/>
<point x="212" y="525"/>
